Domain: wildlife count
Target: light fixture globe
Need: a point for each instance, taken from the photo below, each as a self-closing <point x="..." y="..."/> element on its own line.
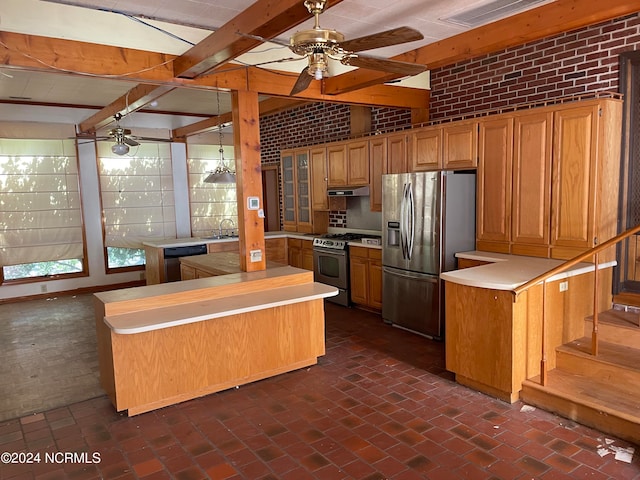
<point x="120" y="148"/>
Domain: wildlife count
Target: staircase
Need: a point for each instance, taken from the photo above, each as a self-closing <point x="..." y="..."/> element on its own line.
<point x="600" y="391"/>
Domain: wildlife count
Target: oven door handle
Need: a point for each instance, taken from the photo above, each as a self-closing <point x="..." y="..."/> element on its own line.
<point x="330" y="251"/>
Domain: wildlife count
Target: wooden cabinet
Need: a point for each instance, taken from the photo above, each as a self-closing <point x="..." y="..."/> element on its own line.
<point x="387" y="154"/>
<point x="230" y="246"/>
<point x="460" y="145"/>
<point x="348" y="163"/>
<point x="297" y="200"/>
<point x="585" y="176"/>
<point x="530" y="214"/>
<point x="366" y="276"/>
<point x="493" y="196"/>
<point x="300" y="253"/>
<point x="451" y="146"/>
<point x="319" y="178"/>
<point x="276" y="250"/>
<point x="397" y="161"/>
<point x="189" y="273"/>
<point x="426" y="149"/>
<point x="377" y="167"/>
<point x="548" y="179"/>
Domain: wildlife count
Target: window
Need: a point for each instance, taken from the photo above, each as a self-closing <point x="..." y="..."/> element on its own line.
<point x="137" y="201"/>
<point x="210" y="203"/>
<point x="41" y="232"/>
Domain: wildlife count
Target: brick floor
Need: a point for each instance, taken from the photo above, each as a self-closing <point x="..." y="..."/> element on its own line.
<point x="379" y="405"/>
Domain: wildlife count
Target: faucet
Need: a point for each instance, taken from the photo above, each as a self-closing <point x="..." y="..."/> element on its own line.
<point x="222" y="222"/>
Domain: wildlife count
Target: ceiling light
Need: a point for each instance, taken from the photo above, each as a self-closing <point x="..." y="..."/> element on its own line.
<point x="222" y="173"/>
<point x="120" y="148"/>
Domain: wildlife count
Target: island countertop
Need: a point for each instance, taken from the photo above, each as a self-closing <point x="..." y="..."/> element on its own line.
<point x="220" y="263"/>
<point x="506" y="272"/>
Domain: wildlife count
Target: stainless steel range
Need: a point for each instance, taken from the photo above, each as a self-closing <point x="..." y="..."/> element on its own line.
<point x="331" y="263"/>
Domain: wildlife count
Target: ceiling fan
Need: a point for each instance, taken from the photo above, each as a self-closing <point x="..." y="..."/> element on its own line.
<point x="123" y="138"/>
<point x="321" y="44"/>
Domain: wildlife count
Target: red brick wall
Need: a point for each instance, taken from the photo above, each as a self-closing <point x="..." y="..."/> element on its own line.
<point x="318" y="123"/>
<point x="574" y="63"/>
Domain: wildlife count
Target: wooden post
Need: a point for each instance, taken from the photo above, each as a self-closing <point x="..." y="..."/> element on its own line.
<point x="246" y="137"/>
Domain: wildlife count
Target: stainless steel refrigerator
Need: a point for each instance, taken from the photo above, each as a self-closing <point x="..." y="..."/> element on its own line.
<point x="427" y="218"/>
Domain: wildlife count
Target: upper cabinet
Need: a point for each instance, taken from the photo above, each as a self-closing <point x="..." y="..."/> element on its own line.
<point x="397" y="153"/>
<point x="452" y="146"/>
<point x="297" y="200"/>
<point x="348" y="163"/>
<point x="548" y="179"/>
<point x="319" y="178"/>
<point x="377" y="166"/>
<point x="426" y="148"/>
<point x="460" y="145"/>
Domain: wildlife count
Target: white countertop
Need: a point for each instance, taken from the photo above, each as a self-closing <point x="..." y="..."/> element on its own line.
<point x="510" y="271"/>
<point x="172" y="316"/>
<point x="191" y="241"/>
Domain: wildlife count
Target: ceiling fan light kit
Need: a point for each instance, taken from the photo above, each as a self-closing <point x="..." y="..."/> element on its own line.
<point x="120" y="148"/>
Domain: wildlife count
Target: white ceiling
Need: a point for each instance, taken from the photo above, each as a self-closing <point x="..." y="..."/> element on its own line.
<point x="173" y="26"/>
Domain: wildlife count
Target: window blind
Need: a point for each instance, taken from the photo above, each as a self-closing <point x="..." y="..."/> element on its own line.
<point x="40" y="210"/>
<point x="137" y="194"/>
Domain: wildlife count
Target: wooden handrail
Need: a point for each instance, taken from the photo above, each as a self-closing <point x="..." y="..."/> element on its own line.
<point x="575" y="260"/>
<point x="595" y="251"/>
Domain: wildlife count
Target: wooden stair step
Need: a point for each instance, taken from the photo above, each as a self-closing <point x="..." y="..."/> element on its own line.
<point x="616" y="326"/>
<point x="614" y="363"/>
<point x="600" y="404"/>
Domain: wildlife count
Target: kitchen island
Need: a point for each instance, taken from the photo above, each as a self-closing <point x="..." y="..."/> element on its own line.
<point x="493" y="340"/>
<point x="167" y="343"/>
<point x="213" y="264"/>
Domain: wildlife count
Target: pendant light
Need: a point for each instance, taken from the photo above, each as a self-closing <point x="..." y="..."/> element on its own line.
<point x="222" y="173"/>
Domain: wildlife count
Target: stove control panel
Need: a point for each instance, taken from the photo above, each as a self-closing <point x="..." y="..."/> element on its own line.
<point x="330" y="243"/>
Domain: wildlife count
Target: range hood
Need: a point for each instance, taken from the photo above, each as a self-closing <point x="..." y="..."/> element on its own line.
<point x="349" y="192"/>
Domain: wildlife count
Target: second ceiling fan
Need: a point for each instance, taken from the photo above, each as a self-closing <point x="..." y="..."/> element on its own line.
<point x="321" y="44"/>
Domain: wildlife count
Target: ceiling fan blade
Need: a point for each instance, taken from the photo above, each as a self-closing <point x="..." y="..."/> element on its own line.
<point x="395" y="36"/>
<point x="385" y="65"/>
<point x="131" y="142"/>
<point x="303" y="82"/>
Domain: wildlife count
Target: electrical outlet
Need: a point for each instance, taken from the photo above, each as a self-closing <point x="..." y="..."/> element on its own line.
<point x="43" y="289"/>
<point x="256" y="255"/>
<point x="564" y="286"/>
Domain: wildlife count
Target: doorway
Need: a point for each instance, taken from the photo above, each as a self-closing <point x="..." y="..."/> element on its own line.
<point x="628" y="279"/>
<point x="271" y="198"/>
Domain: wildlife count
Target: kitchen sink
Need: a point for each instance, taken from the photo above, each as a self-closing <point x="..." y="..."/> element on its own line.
<point x="219" y="237"/>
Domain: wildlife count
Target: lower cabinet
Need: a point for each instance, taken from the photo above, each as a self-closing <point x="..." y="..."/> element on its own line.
<point x="276" y="250"/>
<point x="189" y="273"/>
<point x="366" y="276"/>
<point x="300" y="253"/>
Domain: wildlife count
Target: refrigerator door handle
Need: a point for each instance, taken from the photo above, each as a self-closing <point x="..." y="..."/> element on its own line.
<point x="411" y="222"/>
<point x="403" y="222"/>
<point x="427" y="277"/>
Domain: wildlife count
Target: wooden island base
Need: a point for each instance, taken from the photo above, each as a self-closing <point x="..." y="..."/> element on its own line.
<point x="163" y="344"/>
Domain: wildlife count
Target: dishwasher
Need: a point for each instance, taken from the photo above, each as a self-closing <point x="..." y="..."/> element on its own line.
<point x="172" y="259"/>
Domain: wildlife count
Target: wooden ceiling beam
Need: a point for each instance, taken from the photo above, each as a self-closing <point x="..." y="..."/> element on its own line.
<point x="266" y="107"/>
<point x="541" y="22"/>
<point x="264" y="18"/>
<point x="68" y="57"/>
<point x="281" y="83"/>
<point x="133" y="100"/>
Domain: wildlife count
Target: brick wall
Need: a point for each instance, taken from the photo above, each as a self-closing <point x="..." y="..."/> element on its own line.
<point x="574" y="63"/>
<point x="317" y="123"/>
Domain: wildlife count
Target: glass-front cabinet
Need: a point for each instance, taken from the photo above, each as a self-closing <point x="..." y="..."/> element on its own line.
<point x="296" y="191"/>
